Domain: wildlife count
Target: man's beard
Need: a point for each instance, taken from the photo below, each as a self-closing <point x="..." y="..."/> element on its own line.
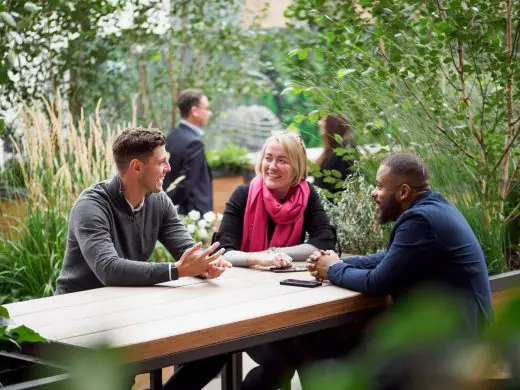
<point x="389" y="210"/>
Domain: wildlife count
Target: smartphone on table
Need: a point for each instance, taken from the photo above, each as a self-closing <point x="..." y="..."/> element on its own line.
<point x="300" y="283"/>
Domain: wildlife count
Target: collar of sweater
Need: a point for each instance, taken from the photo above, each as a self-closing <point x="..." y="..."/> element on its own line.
<point x="115" y="189"/>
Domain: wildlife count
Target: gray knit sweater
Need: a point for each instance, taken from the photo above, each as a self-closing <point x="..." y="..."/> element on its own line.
<point x="109" y="245"/>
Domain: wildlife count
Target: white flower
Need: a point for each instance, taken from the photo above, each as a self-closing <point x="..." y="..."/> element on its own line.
<point x="203" y="234"/>
<point x="219" y="217"/>
<point x="191" y="229"/>
<point x="194" y="215"/>
<point x="210" y="216"/>
<point x="201" y="224"/>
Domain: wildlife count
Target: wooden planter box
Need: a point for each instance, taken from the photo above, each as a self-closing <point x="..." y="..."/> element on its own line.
<point x="504" y="286"/>
<point x="224" y="183"/>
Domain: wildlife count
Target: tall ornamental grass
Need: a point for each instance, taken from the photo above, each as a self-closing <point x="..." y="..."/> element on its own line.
<point x="60" y="158"/>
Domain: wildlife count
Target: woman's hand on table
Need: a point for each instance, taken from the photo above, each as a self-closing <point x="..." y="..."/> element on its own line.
<point x="269" y="259"/>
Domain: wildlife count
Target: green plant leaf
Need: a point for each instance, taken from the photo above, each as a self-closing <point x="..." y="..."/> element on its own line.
<point x="293" y="52"/>
<point x="4" y="313"/>
<point x="314" y="116"/>
<point x="287" y="90"/>
<point x="343" y="72"/>
<point x="336" y="173"/>
<point x="303" y="53"/>
<point x="23" y="334"/>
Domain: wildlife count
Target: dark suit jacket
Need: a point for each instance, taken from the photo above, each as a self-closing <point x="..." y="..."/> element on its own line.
<point x="431" y="244"/>
<point x="187" y="158"/>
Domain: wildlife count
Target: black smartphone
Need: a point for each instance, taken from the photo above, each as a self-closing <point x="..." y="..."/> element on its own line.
<point x="292" y="269"/>
<point x="300" y="283"/>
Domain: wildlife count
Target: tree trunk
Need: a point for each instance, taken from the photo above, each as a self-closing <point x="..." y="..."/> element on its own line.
<point x="509" y="91"/>
<point x="143" y="105"/>
<point x="173" y="86"/>
<point x="74" y="93"/>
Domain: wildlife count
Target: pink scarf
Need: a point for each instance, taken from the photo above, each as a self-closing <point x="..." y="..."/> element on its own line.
<point x="287" y="216"/>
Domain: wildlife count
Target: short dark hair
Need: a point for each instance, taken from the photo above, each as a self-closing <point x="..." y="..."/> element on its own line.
<point x="135" y="142"/>
<point x="187" y="99"/>
<point x="410" y="167"/>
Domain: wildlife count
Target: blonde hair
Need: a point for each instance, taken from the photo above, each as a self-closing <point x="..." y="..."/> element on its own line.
<point x="293" y="146"/>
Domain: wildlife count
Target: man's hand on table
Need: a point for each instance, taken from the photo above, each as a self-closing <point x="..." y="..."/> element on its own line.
<point x="319" y="262"/>
<point x="195" y="261"/>
<point x="217" y="267"/>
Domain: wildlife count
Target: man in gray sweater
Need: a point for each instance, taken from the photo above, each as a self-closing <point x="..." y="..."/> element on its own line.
<point x="114" y="226"/>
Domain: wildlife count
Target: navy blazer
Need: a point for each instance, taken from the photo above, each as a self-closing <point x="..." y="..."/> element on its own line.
<point x="195" y="191"/>
<point x="430" y="244"/>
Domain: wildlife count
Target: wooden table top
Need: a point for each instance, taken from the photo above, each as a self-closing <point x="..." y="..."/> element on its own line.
<point x="147" y="322"/>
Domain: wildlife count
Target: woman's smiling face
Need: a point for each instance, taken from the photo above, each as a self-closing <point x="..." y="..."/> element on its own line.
<point x="277" y="170"/>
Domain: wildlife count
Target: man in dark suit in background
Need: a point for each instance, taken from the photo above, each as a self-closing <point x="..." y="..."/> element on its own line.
<point x="187" y="157"/>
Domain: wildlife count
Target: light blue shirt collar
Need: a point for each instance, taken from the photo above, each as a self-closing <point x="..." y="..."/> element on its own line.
<point x="197" y="129"/>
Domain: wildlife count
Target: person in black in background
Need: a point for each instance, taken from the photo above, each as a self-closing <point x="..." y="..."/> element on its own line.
<point x="331" y="125"/>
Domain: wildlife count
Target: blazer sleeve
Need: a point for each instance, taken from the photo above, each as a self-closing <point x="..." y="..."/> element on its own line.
<point x="191" y="168"/>
<point x="406" y="258"/>
<point x="230" y="231"/>
<point x="316" y="223"/>
<point x="365" y="262"/>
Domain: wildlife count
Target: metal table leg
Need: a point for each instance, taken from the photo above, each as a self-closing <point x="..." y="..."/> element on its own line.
<point x="232" y="372"/>
<point x="156" y="379"/>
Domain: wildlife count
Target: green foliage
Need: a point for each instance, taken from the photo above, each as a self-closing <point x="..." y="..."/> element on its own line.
<point x="15" y="336"/>
<point x="32" y="253"/>
<point x="11" y="176"/>
<point x="232" y="159"/>
<point x="123" y="50"/>
<point x="438" y="77"/>
<point x="56" y="38"/>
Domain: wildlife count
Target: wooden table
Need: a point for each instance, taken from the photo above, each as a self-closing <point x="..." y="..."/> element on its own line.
<point x="189" y="319"/>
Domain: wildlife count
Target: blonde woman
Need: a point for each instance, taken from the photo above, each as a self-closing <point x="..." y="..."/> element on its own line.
<point x="265" y="223"/>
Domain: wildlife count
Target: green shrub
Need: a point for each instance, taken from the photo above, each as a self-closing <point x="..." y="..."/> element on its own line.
<point x="352" y="213"/>
<point x="232" y="159"/>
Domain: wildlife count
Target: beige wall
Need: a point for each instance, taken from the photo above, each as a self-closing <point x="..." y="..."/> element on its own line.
<point x="274" y="17"/>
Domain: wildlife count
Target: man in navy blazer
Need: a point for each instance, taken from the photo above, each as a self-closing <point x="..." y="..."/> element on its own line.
<point x="195" y="191"/>
<point x="431" y="244"/>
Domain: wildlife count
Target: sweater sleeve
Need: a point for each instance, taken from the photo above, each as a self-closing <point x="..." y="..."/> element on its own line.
<point x="414" y="238"/>
<point x="173" y="234"/>
<point x="321" y="234"/>
<point x="91" y="227"/>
